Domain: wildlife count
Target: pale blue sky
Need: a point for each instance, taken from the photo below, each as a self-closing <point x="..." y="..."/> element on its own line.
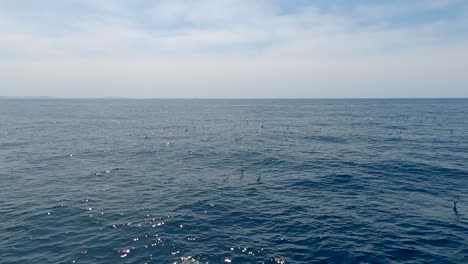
<point x="234" y="48"/>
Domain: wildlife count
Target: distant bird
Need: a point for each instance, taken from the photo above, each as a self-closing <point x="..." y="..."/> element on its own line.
<point x="455" y="206"/>
<point x="259" y="179"/>
<point x="242" y="174"/>
<point x="226" y="178"/>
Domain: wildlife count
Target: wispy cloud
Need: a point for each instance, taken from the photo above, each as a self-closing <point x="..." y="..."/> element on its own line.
<point x="236" y="48"/>
<point x="396" y="9"/>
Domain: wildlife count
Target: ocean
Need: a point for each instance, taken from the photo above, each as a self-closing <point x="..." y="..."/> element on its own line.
<point x="234" y="181"/>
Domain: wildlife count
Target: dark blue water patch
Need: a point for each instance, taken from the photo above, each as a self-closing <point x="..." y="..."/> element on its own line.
<point x="339" y="179"/>
<point x="304" y="184"/>
<point x="402" y="167"/>
<point x="246" y="181"/>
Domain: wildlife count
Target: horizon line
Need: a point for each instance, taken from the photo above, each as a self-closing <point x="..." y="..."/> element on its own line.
<point x="220" y="98"/>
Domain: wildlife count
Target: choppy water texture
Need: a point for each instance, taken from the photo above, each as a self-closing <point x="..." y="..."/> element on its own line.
<point x="240" y="181"/>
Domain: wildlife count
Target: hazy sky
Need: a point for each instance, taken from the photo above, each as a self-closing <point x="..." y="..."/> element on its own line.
<point x="234" y="48"/>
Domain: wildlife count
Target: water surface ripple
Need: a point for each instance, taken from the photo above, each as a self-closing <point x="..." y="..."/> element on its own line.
<point x="233" y="181"/>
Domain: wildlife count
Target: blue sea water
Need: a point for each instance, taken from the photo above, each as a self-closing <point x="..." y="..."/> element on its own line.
<point x="234" y="181"/>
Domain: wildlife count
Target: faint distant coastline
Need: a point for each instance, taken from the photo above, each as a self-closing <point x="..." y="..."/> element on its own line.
<point x="52" y="97"/>
<point x="28" y="97"/>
